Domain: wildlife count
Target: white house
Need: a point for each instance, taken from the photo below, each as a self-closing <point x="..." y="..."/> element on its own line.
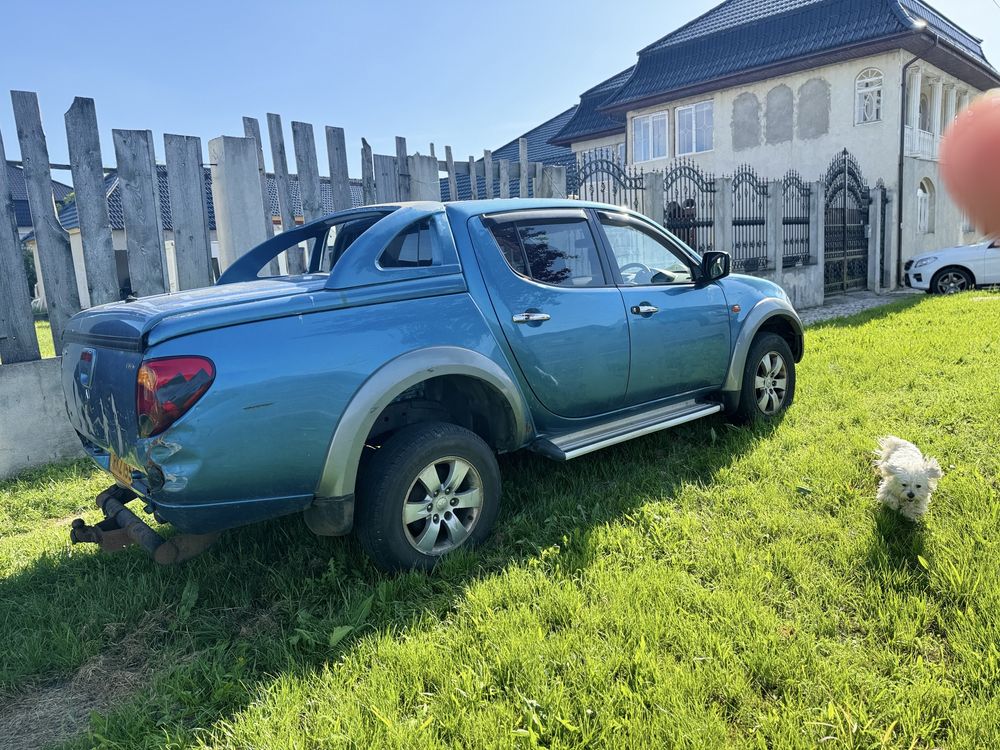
<point x="788" y="84"/>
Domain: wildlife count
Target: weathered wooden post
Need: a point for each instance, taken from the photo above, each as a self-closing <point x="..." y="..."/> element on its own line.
<point x="473" y="179"/>
<point x="504" y="178"/>
<point x="147" y="266"/>
<point x="251" y="129"/>
<point x="403" y="168"/>
<point x="279" y="159"/>
<point x="239" y="222"/>
<point x="54" y="254"/>
<point x="340" y="182"/>
<point x="367" y="174"/>
<point x="488" y="171"/>
<point x="452" y="182"/>
<point x="386" y="173"/>
<point x="189" y="211"/>
<point x="91" y="201"/>
<point x="308" y="171"/>
<point x="18" y="342"/>
<point x="425" y="182"/>
<point x="652" y="196"/>
<point x="522" y="159"/>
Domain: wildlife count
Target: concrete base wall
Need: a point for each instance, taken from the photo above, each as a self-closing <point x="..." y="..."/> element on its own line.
<point x="34" y="429"/>
<point x="804" y="285"/>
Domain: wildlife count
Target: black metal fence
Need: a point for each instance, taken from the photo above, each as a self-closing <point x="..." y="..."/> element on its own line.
<point x="749" y="221"/>
<point x="796" y="207"/>
<point x="846" y="237"/>
<point x="689" y="205"/>
<point x="601" y="176"/>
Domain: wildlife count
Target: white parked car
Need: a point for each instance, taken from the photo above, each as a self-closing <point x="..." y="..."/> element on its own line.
<point x="955" y="269"/>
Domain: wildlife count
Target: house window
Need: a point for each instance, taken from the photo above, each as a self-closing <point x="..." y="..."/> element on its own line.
<point x="649" y="137"/>
<point x="868" y="106"/>
<point x="695" y="127"/>
<point x="925" y="113"/>
<point x="925" y="207"/>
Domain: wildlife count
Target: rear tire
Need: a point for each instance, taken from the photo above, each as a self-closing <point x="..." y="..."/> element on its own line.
<point x="430" y="489"/>
<point x="768" y="386"/>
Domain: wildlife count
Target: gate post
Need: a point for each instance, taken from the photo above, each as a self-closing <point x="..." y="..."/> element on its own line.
<point x="773" y="228"/>
<point x="875" y="248"/>
<point x="889" y="281"/>
<point x="817" y="234"/>
<point x="723" y="229"/>
<point x="652" y="196"/>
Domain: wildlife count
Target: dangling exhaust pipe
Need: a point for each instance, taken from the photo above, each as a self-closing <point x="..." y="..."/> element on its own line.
<point x="122" y="528"/>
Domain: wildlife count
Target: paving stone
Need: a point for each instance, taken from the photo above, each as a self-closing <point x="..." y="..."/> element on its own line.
<point x="849" y="304"/>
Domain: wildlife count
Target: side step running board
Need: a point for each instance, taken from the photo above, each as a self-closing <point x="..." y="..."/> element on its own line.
<point x="576" y="444"/>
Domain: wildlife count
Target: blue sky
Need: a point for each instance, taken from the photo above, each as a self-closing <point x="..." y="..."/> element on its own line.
<point x="470" y="74"/>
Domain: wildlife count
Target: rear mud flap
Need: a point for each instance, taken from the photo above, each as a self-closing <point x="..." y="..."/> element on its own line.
<point x="122" y="528"/>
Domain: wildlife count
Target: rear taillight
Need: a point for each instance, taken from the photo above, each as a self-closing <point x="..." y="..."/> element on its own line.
<point x="167" y="388"/>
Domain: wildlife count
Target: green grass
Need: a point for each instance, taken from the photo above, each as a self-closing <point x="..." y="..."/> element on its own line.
<point x="711" y="586"/>
<point x="44" y="333"/>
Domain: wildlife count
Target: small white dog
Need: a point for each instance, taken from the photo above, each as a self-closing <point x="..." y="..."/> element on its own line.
<point x="908" y="477"/>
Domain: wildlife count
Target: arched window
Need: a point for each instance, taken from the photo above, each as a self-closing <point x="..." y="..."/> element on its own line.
<point x="868" y="102"/>
<point x="926" y="207"/>
<point x="925" y="113"/>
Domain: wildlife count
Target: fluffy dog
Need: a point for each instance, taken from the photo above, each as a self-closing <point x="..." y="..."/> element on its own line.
<point x="908" y="477"/>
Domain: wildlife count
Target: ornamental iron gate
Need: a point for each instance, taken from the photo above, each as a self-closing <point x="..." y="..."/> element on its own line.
<point x="847" y="201"/>
<point x="749" y="221"/>
<point x="689" y="205"/>
<point x="796" y="205"/>
<point x="603" y="178"/>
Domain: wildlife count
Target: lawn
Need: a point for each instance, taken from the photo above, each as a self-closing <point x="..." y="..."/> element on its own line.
<point x="44" y="333"/>
<point x="711" y="586"/>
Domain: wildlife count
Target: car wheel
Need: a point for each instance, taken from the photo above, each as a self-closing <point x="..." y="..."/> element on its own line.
<point x="768" y="380"/>
<point x="951" y="281"/>
<point x="430" y="489"/>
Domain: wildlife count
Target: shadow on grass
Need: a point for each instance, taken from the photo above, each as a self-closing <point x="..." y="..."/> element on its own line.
<point x="897" y="544"/>
<point x="867" y="316"/>
<point x="273" y="599"/>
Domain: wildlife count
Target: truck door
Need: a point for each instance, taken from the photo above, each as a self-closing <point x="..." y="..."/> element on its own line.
<point x="559" y="309"/>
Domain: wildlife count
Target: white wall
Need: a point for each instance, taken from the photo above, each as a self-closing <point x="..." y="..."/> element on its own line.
<point x="875" y="145"/>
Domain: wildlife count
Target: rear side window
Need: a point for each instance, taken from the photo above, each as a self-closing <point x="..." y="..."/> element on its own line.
<point x="561" y="252"/>
<point x="411" y="248"/>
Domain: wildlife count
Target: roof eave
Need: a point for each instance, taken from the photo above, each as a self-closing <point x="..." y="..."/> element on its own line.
<point x="950" y="57"/>
<point x="577" y="137"/>
<point x="793" y="65"/>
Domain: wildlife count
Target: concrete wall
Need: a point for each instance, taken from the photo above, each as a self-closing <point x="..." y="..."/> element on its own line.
<point x="949" y="224"/>
<point x="797" y="121"/>
<point x="34" y="429"/>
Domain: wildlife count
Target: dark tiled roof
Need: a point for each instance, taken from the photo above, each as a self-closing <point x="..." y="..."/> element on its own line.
<point x="589" y="121"/>
<point x="540" y="149"/>
<point x="19" y="191"/>
<point x="70" y="220"/>
<point x="971" y="45"/>
<point x="742" y="35"/>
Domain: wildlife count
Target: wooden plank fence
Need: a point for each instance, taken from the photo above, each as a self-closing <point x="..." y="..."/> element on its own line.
<point x="79" y="267"/>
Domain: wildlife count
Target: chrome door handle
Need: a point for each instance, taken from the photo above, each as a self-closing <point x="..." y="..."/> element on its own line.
<point x="531" y="317"/>
<point x="644" y="310"/>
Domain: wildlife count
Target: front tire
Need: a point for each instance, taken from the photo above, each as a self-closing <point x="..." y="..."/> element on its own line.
<point x="951" y="281"/>
<point x="768" y="380"/>
<point x="430" y="489"/>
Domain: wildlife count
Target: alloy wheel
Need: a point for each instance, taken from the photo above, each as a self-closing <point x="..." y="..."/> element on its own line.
<point x="771" y="383"/>
<point x="442" y="506"/>
<point x="952" y="282"/>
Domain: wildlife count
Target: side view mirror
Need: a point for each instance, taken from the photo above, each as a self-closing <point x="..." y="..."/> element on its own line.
<point x="995" y="244"/>
<point x="715" y="265"/>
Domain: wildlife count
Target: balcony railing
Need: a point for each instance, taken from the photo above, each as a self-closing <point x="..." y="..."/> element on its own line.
<point x="921" y="144"/>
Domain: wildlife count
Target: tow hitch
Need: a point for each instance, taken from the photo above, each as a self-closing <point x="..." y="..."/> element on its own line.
<point x="122" y="528"/>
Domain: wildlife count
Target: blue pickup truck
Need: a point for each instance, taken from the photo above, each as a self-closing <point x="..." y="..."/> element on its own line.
<point x="374" y="391"/>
